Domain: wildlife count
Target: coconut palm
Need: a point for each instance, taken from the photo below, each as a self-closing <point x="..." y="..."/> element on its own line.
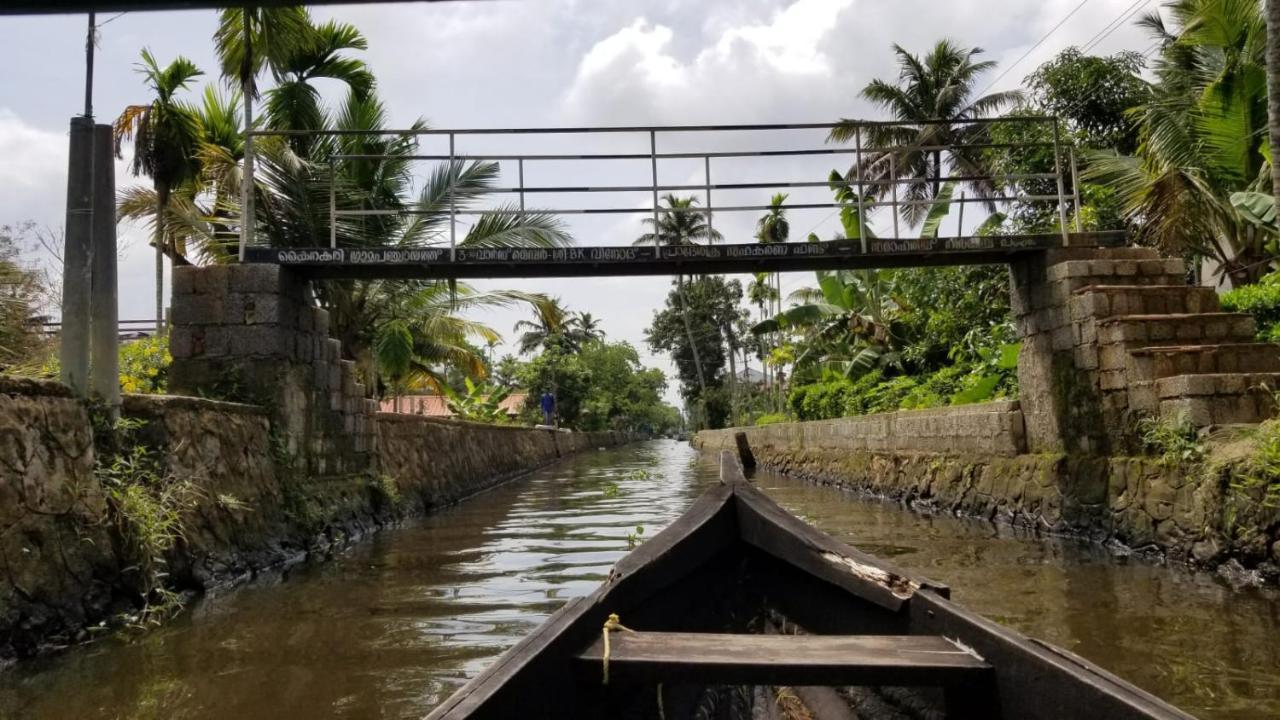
<point x="938" y="87"/>
<point x="294" y="211"/>
<point x="247" y="40"/>
<point x="424" y="333"/>
<point x="584" y="328"/>
<point x="550" y="326"/>
<point x="1202" y="139"/>
<point x="680" y="223"/>
<point x="165" y="134"/>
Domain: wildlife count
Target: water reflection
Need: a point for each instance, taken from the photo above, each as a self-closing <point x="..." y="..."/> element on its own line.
<point x="393" y="626"/>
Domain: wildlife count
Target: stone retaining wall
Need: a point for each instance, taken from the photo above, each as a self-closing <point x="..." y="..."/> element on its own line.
<point x="1143" y="503"/>
<point x="251" y="503"/>
<point x="993" y="428"/>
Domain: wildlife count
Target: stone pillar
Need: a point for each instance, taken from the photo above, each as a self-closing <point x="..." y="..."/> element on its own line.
<point x="1059" y="400"/>
<point x="73" y="354"/>
<point x="247" y="333"/>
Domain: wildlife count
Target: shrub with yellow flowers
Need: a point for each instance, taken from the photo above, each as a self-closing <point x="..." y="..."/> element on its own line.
<point x="144" y="365"/>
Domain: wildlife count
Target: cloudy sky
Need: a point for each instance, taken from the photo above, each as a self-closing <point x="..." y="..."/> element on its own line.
<point x="546" y="63"/>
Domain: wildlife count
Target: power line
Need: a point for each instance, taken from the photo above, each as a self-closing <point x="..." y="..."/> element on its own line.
<point x="1032" y="49"/>
<point x="1116" y="24"/>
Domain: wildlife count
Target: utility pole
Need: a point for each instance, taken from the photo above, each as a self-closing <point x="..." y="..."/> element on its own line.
<point x="73" y="351"/>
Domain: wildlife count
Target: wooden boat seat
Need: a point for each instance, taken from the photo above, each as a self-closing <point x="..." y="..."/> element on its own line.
<point x="831" y="660"/>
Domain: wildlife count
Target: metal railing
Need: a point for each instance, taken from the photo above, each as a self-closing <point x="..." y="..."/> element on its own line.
<point x="876" y="175"/>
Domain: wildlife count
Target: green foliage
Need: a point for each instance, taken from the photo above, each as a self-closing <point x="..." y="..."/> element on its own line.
<point x="602" y="386"/>
<point x="387" y="492"/>
<point x="771" y="419"/>
<point x="635" y="537"/>
<point x="148" y="504"/>
<point x="1262" y="300"/>
<point x="702" y="311"/>
<point x="1175" y="441"/>
<point x="480" y="403"/>
<point x="1261" y="476"/>
<point x="144" y="365"/>
<point x="23" y="290"/>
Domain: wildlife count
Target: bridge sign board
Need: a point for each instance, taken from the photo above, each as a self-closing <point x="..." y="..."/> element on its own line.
<point x="437" y="262"/>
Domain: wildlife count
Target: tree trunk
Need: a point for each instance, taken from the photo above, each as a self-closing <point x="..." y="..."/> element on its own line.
<point x="246" y="181"/>
<point x="1273" y="94"/>
<point x="733" y="380"/>
<point x="693" y="345"/>
<point x="162" y="196"/>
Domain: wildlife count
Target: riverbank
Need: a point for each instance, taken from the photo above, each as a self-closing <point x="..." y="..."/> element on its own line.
<point x="1201" y="515"/>
<point x="100" y="526"/>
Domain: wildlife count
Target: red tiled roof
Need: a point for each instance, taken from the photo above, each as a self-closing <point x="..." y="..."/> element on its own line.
<point x="437" y="406"/>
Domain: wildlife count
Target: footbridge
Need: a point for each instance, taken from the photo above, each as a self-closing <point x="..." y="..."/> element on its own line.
<point x="868" y="194"/>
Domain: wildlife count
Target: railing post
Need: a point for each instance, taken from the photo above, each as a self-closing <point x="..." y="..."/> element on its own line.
<point x="653" y="162"/>
<point x="520" y="165"/>
<point x="1062" y="192"/>
<point x="862" y="219"/>
<point x="453" y="224"/>
<point x="706" y="174"/>
<point x="893" y="178"/>
<point x="246" y="191"/>
<point x="333" y="207"/>
<point x="1075" y="191"/>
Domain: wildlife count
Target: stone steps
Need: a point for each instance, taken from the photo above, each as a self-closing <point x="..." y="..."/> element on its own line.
<point x="1076" y="274"/>
<point x="1153" y="363"/>
<point x="1104" y="301"/>
<point x="1218" y="398"/>
<point x="1176" y="329"/>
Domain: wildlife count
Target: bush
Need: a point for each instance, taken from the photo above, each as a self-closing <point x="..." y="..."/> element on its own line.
<point x="771" y="419"/>
<point x="144" y="365"/>
<point x="1262" y="300"/>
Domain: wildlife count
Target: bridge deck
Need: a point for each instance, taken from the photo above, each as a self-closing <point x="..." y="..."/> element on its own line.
<point x="471" y="263"/>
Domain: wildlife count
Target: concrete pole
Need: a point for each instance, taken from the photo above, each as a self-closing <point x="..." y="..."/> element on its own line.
<point x="77" y="255"/>
<point x="104" y="312"/>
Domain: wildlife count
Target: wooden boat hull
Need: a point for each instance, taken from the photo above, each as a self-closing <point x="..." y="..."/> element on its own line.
<point x="738" y="563"/>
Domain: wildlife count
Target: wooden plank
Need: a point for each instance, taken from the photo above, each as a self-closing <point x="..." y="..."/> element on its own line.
<point x="765" y="525"/>
<point x="714" y="658"/>
<point x="1036" y="681"/>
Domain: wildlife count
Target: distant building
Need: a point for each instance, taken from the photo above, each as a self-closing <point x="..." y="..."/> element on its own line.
<point x="438" y="405"/>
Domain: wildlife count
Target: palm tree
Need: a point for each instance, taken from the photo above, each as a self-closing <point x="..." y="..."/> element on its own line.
<point x="1202" y="139"/>
<point x="584" y="328"/>
<point x="165" y="134"/>
<point x="425" y="333"/>
<point x="550" y="326"/>
<point x="939" y="87"/>
<point x="294" y="192"/>
<point x="679" y="223"/>
<point x="294" y="103"/>
<point x="200" y="211"/>
<point x="247" y="40"/>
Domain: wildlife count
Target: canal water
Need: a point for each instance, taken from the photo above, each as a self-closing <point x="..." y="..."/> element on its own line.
<point x="392" y="626"/>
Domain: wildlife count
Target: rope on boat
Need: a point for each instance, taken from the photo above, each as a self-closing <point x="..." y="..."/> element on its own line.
<point x="612" y="624"/>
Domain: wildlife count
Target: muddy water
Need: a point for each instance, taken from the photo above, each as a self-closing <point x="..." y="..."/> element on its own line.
<point x="388" y="629"/>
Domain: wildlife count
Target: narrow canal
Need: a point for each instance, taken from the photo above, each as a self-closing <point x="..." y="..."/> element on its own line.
<point x="392" y="626"/>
